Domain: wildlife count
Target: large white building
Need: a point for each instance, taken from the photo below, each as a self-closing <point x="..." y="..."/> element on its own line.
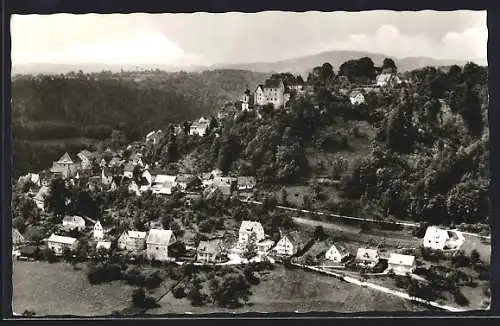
<point x="58" y="243"/>
<point x="246" y="229"/>
<point x="440" y="239"/>
<point x="158" y="242"/>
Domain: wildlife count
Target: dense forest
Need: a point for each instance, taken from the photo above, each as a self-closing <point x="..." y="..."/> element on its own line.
<point x="427" y="159"/>
<point x="76" y="110"/>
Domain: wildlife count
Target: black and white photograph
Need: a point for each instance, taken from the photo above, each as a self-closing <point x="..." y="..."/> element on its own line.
<point x="231" y="163"/>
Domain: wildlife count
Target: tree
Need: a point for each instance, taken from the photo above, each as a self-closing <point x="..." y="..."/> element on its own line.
<point x="118" y="139"/>
<point x="390" y="65"/>
<point x="475" y="258"/>
<point x="319" y="233"/>
<point x="468" y="202"/>
<point x="229" y="291"/>
<point x="141" y="300"/>
<point x="58" y="196"/>
<point x="251" y="247"/>
<point x="194" y="293"/>
<point x="306" y="202"/>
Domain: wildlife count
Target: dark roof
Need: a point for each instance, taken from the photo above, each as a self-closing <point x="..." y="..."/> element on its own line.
<point x="107" y="172"/>
<point x="129" y="167"/>
<point x="272" y="83"/>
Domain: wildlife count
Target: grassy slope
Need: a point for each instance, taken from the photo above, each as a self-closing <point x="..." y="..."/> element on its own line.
<point x="296" y="290"/>
<point x="58" y="289"/>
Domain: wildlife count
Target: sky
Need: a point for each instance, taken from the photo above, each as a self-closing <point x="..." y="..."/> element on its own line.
<point x="209" y="38"/>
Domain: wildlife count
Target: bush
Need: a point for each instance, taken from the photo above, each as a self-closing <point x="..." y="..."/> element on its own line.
<point x="153" y="281"/>
<point x="179" y="292"/>
<point x="103" y="273"/>
<point x="460" y="260"/>
<point x="141" y="300"/>
<point x="134" y="277"/>
<point x="460" y="298"/>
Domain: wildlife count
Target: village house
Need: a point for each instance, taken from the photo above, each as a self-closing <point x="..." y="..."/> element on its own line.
<point x="70" y="223"/>
<point x="388" y="79"/>
<point x="296" y="85"/>
<point x="58" y="244"/>
<point x="246" y="229"/>
<point x="98" y="231"/>
<point x="163" y="188"/>
<point x="210" y="251"/>
<point x="183" y="180"/>
<point x="128" y="170"/>
<point x="136" y="159"/>
<point x="85" y="158"/>
<point x="106" y="176"/>
<point x="40" y="197"/>
<point x="17" y="238"/>
<point x="337" y="253"/>
<point x="158" y="242"/>
<point x="65" y="167"/>
<point x="439" y="239"/>
<point x="147" y="175"/>
<point x="288" y="245"/>
<point x="356" y="97"/>
<point x="367" y="258"/>
<point x="133" y="188"/>
<point x="106" y="245"/>
<point x="401" y="264"/>
<point x="132" y="240"/>
<point x="199" y="127"/>
<point x="247" y="101"/>
<point x="246" y="183"/>
<point x="34" y="178"/>
<point x="154" y="137"/>
<point x="263" y="246"/>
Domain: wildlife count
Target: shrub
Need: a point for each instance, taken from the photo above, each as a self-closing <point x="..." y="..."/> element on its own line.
<point x="153" y="281"/>
<point x="134" y="277"/>
<point x="460" y="298"/>
<point x="460" y="260"/>
<point x="179" y="292"/>
<point x="141" y="300"/>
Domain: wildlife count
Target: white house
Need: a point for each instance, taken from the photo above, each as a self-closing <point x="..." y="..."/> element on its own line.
<point x="133" y="188"/>
<point x="158" y="242"/>
<point x="367" y="257"/>
<point x="98" y="231"/>
<point x="103" y="245"/>
<point x="147" y="175"/>
<point x="246" y="101"/>
<point x="246" y="229"/>
<point x="337" y="253"/>
<point x="132" y="240"/>
<point x="85" y="157"/>
<point x="40" y="197"/>
<point x="17" y="237"/>
<point x="154" y="136"/>
<point x="264" y="246"/>
<point x="164" y="188"/>
<point x="161" y="178"/>
<point x="287" y="246"/>
<point x="73" y="222"/>
<point x="58" y="243"/>
<point x="388" y="79"/>
<point x="246" y="183"/>
<point x="402" y="264"/>
<point x="440" y="239"/>
<point x="210" y="251"/>
<point x="356" y="98"/>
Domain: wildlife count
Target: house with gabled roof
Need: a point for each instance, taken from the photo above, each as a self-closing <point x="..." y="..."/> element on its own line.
<point x="210" y="251"/>
<point x="158" y="242"/>
<point x="441" y="239"/>
<point x="132" y="240"/>
<point x="73" y="222"/>
<point x="388" y="79"/>
<point x="65" y="167"/>
<point x="367" y="258"/>
<point x="401" y="264"/>
<point x="95" y="183"/>
<point x="58" y="243"/>
<point x="289" y="244"/>
<point x="41" y="196"/>
<point x="248" y="228"/>
<point x="357" y="97"/>
<point x="246" y="183"/>
<point x="85" y="158"/>
<point x="17" y="238"/>
<point x="337" y="253"/>
<point x="98" y="231"/>
<point x="106" y="176"/>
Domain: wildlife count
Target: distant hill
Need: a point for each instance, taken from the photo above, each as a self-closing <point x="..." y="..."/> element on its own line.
<point x="301" y="65"/>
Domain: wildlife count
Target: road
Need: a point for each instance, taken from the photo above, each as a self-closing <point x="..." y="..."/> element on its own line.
<point x="402" y="223"/>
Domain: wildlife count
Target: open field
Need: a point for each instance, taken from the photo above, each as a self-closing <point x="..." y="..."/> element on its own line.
<point x="57" y="289"/>
<point x="285" y="290"/>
